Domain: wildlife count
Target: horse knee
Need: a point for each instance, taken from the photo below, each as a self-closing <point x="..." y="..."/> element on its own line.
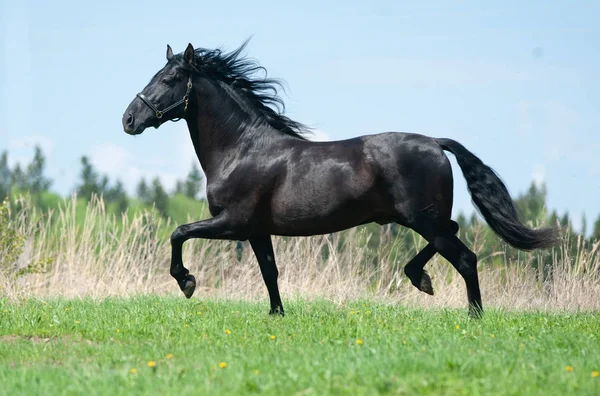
<point x="178" y="236"/>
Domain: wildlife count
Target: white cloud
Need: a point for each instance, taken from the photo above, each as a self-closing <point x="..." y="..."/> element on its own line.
<point x="21" y="149"/>
<point x="29" y="142"/>
<point x="117" y="163"/>
<point x="538" y="175"/>
<point x="110" y="158"/>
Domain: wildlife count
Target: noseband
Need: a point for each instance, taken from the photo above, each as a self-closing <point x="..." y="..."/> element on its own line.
<point x="159" y="113"/>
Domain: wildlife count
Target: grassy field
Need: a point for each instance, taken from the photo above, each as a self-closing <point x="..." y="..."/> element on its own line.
<point x="169" y="345"/>
<point x="87" y="306"/>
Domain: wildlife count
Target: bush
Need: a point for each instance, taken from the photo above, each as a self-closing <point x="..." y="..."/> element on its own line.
<point x="11" y="241"/>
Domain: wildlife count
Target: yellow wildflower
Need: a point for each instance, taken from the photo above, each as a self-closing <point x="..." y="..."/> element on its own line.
<point x="222" y="365"/>
<point x="151" y="363"/>
<point x="594" y="373"/>
<point x="359" y="341"/>
<point x="227" y="331"/>
<point x="569" y="369"/>
<point x="169" y="356"/>
<point x="457" y="327"/>
<point x="133" y="371"/>
<point x="273" y="337"/>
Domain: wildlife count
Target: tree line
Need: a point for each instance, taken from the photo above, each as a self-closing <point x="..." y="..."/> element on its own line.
<point x="31" y="178"/>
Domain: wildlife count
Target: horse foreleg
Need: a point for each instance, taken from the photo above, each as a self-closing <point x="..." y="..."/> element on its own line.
<point x="263" y="249"/>
<point x="219" y="227"/>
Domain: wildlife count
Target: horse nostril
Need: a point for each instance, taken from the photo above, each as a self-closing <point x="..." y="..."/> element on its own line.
<point x="129" y="119"/>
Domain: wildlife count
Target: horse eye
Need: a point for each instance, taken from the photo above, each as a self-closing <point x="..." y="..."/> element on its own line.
<point x="171" y="79"/>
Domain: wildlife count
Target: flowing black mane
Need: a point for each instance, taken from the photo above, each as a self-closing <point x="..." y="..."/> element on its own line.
<point x="261" y="93"/>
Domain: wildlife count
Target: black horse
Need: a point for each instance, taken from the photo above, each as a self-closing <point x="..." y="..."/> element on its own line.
<point x="265" y="178"/>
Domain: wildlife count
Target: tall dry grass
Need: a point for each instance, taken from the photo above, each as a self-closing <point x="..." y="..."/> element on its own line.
<point x="100" y="254"/>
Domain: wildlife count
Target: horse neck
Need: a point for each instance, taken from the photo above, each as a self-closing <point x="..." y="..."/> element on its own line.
<point x="219" y="129"/>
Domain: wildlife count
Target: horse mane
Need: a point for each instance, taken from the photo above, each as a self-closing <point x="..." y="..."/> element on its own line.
<point x="261" y="93"/>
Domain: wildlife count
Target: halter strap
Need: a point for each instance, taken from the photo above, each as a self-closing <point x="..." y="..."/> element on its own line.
<point x="159" y="113"/>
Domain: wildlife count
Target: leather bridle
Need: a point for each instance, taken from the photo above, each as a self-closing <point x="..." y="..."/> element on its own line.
<point x="159" y="113"/>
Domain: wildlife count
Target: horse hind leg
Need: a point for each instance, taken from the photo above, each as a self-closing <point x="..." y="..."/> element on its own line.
<point x="465" y="262"/>
<point x="414" y="270"/>
<point x="454" y="250"/>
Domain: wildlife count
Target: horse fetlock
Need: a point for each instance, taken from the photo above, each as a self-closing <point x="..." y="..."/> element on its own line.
<point x="179" y="272"/>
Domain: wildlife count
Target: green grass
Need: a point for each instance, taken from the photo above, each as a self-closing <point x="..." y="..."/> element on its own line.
<point x="82" y="346"/>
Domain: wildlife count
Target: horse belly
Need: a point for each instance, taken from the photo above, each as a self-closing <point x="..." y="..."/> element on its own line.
<point x="323" y="212"/>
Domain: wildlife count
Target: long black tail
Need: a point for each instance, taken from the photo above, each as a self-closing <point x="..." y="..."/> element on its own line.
<point x="492" y="199"/>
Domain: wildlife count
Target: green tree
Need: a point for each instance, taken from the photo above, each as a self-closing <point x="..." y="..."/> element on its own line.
<point x="143" y="192"/>
<point x="474" y="221"/>
<point x="5" y="176"/>
<point x="565" y="221"/>
<point x="553" y="221"/>
<point x="103" y="186"/>
<point x="89" y="180"/>
<point x="117" y="194"/>
<point x="160" y="197"/>
<point x="18" y="178"/>
<point x="178" y="187"/>
<point x="35" y="179"/>
<point x="596" y="231"/>
<point x="531" y="205"/>
<point x="461" y="219"/>
<point x="193" y="182"/>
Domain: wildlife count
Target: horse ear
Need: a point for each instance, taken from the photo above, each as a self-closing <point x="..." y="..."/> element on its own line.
<point x="189" y="54"/>
<point x="169" y="52"/>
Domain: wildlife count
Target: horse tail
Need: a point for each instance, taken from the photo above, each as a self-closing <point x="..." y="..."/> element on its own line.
<point x="491" y="197"/>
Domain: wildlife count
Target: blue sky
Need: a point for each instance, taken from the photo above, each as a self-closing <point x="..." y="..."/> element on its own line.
<point x="515" y="82"/>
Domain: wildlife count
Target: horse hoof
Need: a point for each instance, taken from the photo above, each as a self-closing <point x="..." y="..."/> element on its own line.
<point x="475" y="312"/>
<point x="188" y="286"/>
<point x="277" y="311"/>
<point x="425" y="284"/>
